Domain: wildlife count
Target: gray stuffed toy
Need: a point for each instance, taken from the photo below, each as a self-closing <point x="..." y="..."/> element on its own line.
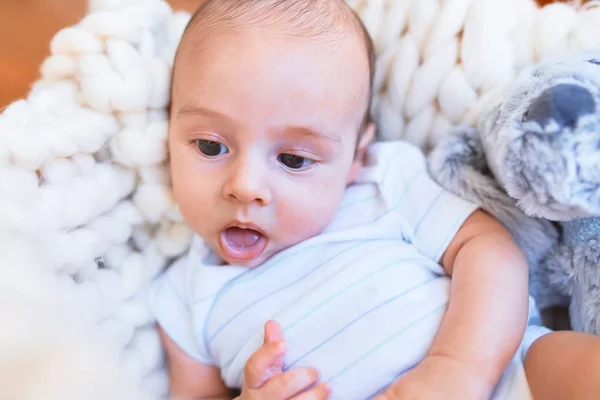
<point x="533" y="162"/>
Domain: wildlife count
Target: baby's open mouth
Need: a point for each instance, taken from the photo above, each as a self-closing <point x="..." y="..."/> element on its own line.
<point x="242" y="244"/>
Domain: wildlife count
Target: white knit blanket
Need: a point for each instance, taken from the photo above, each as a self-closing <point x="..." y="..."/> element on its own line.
<point x="86" y="213"/>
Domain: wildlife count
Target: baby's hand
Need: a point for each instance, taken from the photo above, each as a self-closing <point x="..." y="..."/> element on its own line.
<point x="264" y="378"/>
<point x="438" y="378"/>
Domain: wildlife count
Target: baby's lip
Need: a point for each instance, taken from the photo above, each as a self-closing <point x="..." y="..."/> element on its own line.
<point x="246" y="225"/>
<point x="244" y="249"/>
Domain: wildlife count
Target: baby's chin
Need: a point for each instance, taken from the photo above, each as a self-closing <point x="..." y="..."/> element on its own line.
<point x="251" y="263"/>
<point x="246" y="264"/>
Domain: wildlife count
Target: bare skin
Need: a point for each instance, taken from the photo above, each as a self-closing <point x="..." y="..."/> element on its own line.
<point x="564" y="365"/>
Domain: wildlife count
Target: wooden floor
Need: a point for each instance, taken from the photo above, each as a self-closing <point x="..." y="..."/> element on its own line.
<point x="26" y="27"/>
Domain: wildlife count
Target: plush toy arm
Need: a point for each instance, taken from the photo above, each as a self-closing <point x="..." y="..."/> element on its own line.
<point x="459" y="165"/>
<point x="576" y="267"/>
<point x="556" y="271"/>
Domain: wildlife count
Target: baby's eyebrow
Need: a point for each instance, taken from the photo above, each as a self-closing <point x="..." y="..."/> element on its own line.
<point x="192" y="110"/>
<point x="296" y="130"/>
<point x="312" y="132"/>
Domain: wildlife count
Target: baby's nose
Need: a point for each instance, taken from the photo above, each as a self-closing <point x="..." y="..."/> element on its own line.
<point x="246" y="185"/>
<point x="564" y="103"/>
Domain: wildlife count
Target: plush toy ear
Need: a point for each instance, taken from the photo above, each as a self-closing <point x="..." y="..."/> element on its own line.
<point x="459" y="165"/>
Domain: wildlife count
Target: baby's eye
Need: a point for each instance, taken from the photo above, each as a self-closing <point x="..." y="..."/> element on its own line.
<point x="294" y="162"/>
<point x="210" y="148"/>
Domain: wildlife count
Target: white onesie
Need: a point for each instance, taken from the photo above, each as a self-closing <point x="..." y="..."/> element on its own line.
<point x="360" y="302"/>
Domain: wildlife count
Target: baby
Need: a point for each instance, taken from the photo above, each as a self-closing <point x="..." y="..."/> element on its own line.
<point x="324" y="265"/>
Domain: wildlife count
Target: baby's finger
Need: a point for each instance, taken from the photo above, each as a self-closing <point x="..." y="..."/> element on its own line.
<point x="273" y="332"/>
<point x="258" y="368"/>
<point x="290" y="383"/>
<point x="319" y="392"/>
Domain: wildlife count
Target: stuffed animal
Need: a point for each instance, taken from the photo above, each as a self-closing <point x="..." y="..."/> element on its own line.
<point x="534" y="163"/>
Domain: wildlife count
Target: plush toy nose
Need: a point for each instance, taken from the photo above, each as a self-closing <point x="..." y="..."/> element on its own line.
<point x="564" y="103"/>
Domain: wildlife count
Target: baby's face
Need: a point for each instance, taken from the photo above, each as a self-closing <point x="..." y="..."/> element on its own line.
<point x="263" y="137"/>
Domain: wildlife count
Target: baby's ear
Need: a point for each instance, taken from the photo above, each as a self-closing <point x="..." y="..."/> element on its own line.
<point x="365" y="138"/>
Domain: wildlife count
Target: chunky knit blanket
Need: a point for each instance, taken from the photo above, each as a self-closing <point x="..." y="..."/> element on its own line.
<point x="86" y="213"/>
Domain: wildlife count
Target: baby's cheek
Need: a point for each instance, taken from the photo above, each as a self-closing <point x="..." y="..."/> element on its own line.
<point x="307" y="216"/>
<point x="193" y="200"/>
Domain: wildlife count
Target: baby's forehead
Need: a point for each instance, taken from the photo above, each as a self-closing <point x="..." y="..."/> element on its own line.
<point x="304" y="17"/>
<point x="323" y="21"/>
<point x="328" y="27"/>
<point x="278" y="81"/>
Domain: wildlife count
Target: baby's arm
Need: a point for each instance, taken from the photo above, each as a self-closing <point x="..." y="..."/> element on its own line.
<point x="489" y="299"/>
<point x="263" y="375"/>
<point x="190" y="379"/>
<point x="486" y="316"/>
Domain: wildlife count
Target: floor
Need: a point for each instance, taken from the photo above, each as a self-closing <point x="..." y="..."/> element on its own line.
<point x="26" y="27"/>
<point x="22" y="49"/>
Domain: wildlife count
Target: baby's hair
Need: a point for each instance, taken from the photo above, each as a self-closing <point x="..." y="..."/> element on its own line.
<point x="327" y="20"/>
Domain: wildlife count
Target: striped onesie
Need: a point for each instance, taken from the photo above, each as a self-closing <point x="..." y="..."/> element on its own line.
<point x="361" y="302"/>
